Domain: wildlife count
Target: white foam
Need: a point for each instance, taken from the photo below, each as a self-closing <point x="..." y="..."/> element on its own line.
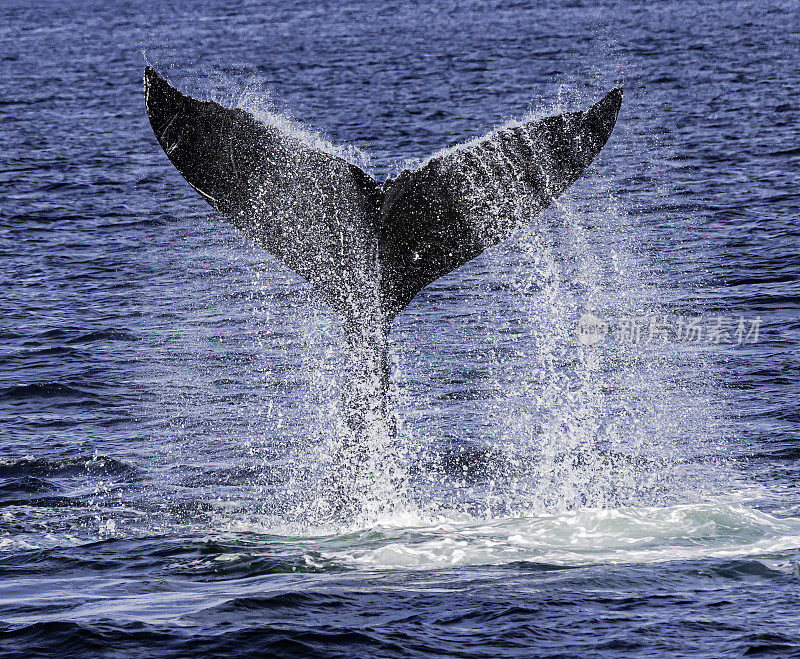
<point x="583" y="537"/>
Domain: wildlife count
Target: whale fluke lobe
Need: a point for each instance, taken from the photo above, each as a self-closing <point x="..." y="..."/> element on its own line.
<point x="312" y="210"/>
<point x="476" y="195"/>
<point x="369" y="249"/>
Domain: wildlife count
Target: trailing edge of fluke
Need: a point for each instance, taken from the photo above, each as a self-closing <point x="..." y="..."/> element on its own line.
<point x="370" y="248"/>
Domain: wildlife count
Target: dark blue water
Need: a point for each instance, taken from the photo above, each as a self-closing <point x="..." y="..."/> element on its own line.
<point x="169" y="394"/>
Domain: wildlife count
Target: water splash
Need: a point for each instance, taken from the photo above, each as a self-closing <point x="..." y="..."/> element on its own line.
<point x="568" y="426"/>
<point x="596" y="426"/>
<point x="565" y="426"/>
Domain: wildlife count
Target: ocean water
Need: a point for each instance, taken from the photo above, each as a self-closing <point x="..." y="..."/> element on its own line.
<point x="170" y="394"/>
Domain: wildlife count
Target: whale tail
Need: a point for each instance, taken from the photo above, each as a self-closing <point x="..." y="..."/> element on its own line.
<point x="369" y="249"/>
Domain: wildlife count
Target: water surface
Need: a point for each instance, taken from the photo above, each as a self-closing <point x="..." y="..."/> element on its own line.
<point x="169" y="393"/>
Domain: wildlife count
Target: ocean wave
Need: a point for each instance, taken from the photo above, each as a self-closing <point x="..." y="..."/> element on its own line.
<point x="44" y="390"/>
<point x="110" y="334"/>
<point x="64" y="468"/>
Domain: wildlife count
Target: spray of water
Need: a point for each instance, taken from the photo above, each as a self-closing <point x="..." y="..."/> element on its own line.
<point x="554" y="425"/>
<point x="568" y="426"/>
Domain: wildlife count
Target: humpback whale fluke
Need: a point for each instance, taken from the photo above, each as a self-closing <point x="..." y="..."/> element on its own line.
<point x="357" y="242"/>
<point x="370" y="248"/>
